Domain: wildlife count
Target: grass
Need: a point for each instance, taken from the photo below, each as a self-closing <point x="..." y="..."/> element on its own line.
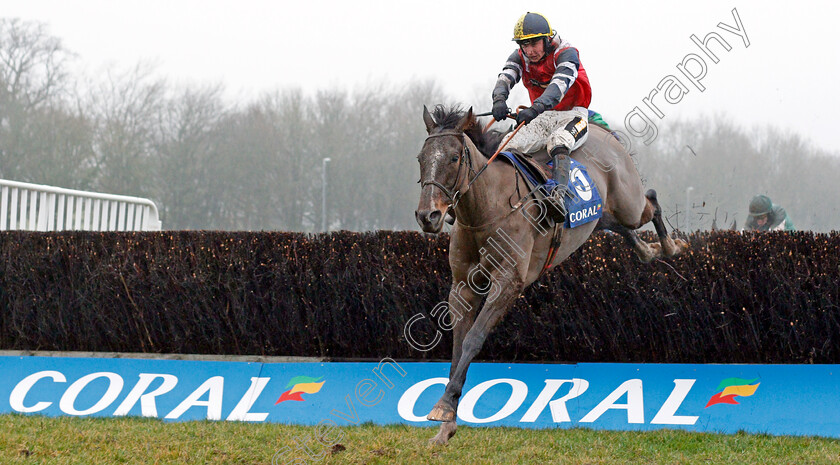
<point x="36" y="439"/>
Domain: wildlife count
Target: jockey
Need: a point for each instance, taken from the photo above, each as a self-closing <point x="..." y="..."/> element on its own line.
<point x="765" y="216"/>
<point x="549" y="67"/>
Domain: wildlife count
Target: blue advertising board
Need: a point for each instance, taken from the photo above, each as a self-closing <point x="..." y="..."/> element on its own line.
<point x="774" y="399"/>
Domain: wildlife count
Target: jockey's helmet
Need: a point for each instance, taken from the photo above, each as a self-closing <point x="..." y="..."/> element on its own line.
<point x="760" y="205"/>
<point x="530" y="26"/>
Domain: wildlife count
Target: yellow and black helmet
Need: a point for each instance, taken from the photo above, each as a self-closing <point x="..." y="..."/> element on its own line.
<point x="531" y="25"/>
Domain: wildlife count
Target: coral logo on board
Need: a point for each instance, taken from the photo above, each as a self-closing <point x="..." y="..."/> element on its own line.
<point x="555" y="396"/>
<point x="730" y="388"/>
<point x="301" y="385"/>
<point x="531" y="396"/>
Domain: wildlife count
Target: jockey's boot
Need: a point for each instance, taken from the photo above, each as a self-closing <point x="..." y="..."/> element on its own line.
<point x="560" y="173"/>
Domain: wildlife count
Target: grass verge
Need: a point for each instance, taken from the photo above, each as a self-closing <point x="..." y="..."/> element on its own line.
<point x="36" y="439"/>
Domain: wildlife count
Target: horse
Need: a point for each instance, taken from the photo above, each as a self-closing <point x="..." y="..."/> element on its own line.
<point x="499" y="244"/>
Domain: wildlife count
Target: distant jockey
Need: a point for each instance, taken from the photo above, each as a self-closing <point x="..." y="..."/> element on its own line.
<point x="764" y="216"/>
<point x="549" y="67"/>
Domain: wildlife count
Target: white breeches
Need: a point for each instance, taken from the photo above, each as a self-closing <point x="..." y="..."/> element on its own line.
<point x="548" y="130"/>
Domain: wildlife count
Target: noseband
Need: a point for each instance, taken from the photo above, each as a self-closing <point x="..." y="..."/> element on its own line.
<point x="454" y="197"/>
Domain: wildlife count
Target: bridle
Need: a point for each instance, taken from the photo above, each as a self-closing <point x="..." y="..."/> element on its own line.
<point x="454" y="197"/>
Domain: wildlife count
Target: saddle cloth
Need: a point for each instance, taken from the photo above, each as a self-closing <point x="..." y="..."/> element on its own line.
<point x="583" y="205"/>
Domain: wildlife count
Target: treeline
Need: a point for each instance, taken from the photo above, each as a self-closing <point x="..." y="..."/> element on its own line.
<point x="206" y="163"/>
<point x="727" y="165"/>
<point x="733" y="298"/>
<point x="210" y="164"/>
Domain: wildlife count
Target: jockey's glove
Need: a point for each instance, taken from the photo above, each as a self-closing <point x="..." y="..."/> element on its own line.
<point x="526" y="115"/>
<point x="500" y="110"/>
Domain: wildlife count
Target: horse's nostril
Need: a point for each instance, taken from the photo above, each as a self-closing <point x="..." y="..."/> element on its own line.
<point x="427" y="218"/>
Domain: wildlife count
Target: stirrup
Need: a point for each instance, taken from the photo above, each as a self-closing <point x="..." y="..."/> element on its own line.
<point x="556" y="205"/>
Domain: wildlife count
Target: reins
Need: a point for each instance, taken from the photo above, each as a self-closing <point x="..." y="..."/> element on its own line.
<point x="501" y="147"/>
<point x="557" y="235"/>
<point x="498" y="151"/>
<point x="455" y="197"/>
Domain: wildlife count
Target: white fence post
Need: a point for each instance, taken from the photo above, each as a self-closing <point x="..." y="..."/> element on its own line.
<point x="57" y="209"/>
<point x="4" y="205"/>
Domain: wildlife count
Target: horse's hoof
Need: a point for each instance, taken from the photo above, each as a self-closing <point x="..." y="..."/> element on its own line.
<point x="438" y="441"/>
<point x="656" y="252"/>
<point x="681" y="246"/>
<point x="447" y="430"/>
<point x="441" y="412"/>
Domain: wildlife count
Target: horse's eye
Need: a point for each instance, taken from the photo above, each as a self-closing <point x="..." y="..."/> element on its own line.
<point x="454" y="159"/>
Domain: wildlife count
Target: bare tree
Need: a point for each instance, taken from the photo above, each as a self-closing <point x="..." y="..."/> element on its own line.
<point x="33" y="79"/>
<point x="125" y="110"/>
<point x="57" y="149"/>
<point x="372" y="136"/>
<point x="32" y="63"/>
<point x="183" y="162"/>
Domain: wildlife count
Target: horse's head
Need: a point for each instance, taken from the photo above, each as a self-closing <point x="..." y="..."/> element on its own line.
<point x="445" y="163"/>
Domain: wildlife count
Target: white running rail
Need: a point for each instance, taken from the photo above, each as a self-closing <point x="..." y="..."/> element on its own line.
<point x="34" y="207"/>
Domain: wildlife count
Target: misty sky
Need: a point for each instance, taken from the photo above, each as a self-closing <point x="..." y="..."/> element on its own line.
<point x="786" y="77"/>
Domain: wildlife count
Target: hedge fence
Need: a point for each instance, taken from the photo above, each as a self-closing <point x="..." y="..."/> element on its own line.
<point x="751" y="298"/>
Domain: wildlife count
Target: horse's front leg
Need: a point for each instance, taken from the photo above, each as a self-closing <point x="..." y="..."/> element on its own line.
<point x="463" y="306"/>
<point x="490" y="315"/>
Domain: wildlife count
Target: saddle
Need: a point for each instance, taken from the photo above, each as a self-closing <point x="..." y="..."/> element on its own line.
<point x="535" y="172"/>
<point x="537" y="177"/>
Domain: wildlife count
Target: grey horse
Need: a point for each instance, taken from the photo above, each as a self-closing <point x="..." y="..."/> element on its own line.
<point x="500" y="244"/>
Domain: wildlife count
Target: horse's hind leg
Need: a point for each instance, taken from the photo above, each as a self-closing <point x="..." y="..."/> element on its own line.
<point x="670" y="247"/>
<point x="646" y="252"/>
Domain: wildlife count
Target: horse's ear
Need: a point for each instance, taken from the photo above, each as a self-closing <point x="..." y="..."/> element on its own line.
<point x="467" y="121"/>
<point x="427" y="118"/>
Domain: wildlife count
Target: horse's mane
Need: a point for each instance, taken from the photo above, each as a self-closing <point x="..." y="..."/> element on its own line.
<point x="448" y="118"/>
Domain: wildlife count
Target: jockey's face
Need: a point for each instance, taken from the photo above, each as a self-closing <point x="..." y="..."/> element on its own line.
<point x="534" y="48"/>
<point x="761" y="220"/>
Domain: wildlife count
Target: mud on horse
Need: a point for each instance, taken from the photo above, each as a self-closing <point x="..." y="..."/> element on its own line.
<point x="496" y="248"/>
